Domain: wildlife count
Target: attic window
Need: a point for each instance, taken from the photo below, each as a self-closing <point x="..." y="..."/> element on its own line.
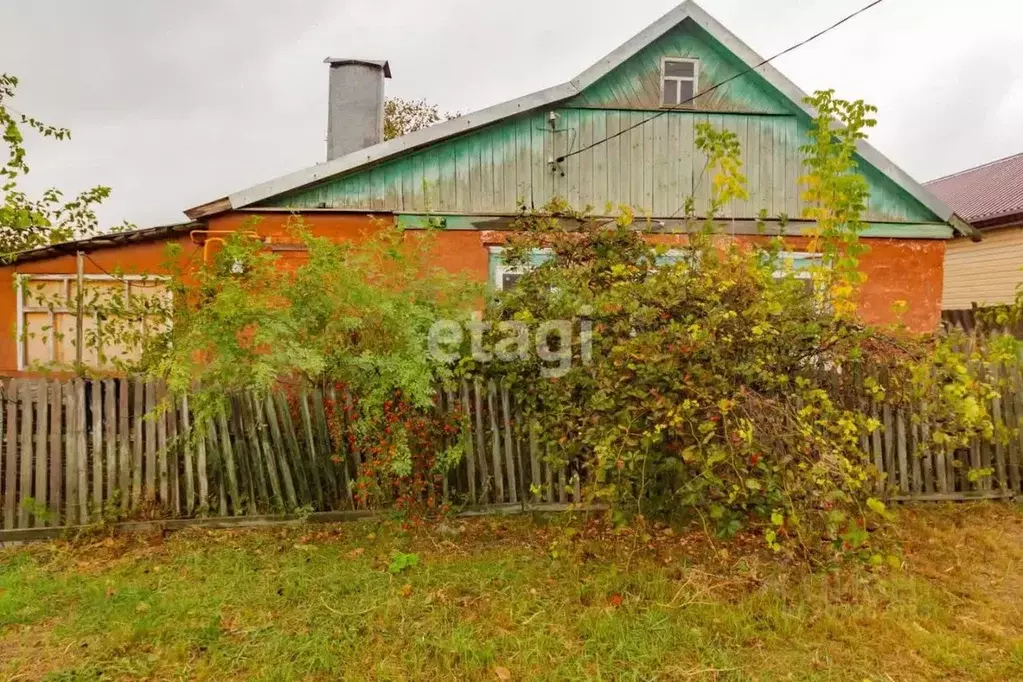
<point x="679" y="81"/>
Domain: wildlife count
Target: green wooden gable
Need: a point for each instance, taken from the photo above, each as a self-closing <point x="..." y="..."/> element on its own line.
<point x="652" y="166"/>
<point x="636" y="84"/>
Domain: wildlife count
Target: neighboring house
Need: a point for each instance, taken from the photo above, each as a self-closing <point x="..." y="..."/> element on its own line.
<point x="622" y="132"/>
<point x="990" y="197"/>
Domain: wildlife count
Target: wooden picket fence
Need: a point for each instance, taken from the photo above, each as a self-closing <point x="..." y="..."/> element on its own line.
<point x="986" y="469"/>
<point x="80" y="451"/>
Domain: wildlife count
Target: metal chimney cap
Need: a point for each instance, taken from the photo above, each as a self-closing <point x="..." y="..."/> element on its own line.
<point x="338" y="61"/>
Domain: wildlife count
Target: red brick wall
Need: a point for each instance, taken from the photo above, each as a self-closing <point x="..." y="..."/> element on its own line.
<point x="897" y="270"/>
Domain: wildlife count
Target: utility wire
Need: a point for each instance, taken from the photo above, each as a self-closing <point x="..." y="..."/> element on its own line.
<point x="560" y="159"/>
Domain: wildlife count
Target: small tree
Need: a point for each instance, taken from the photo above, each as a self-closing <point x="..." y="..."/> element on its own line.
<point x="26" y="223"/>
<point x="404" y="116"/>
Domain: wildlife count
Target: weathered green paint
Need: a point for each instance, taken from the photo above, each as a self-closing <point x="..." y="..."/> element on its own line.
<point x="652" y="166"/>
<point x="420" y="221"/>
<point x="636" y="83"/>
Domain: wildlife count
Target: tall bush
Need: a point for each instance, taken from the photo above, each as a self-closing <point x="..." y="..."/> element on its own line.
<point x="353" y="318"/>
<point x="713" y="379"/>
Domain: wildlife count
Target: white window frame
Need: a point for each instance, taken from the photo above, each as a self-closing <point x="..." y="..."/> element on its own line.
<point x="678" y="80"/>
<point x="502" y="269"/>
<point x="797" y="255"/>
<point x="24" y="279"/>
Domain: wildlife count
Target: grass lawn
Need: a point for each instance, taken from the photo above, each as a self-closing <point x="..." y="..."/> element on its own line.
<point x="513" y="598"/>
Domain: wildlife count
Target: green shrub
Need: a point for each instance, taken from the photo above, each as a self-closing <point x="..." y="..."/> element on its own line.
<point x="714" y="380"/>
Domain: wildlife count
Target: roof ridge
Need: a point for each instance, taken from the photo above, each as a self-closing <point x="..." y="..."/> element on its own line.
<point x="974" y="168"/>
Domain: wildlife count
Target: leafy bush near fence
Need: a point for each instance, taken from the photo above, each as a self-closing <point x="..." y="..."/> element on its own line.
<point x="352" y="318"/>
<point x="712" y="379"/>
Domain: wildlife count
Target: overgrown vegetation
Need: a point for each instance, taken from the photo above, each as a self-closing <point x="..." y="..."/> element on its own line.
<point x="352" y="318"/>
<point x="714" y="379"/>
<point x="550" y="599"/>
<point x="681" y="374"/>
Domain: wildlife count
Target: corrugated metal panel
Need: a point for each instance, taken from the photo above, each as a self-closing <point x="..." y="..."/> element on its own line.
<point x="986" y="272"/>
<point x="652" y="167"/>
<point x="985" y="192"/>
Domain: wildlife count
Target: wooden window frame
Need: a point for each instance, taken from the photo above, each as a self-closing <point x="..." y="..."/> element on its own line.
<point x="501" y="268"/>
<point x="801" y="273"/>
<point x="678" y="80"/>
<point x="24" y="279"/>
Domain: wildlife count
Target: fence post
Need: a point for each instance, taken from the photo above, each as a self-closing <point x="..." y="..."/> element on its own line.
<point x="82" y="450"/>
<point x="11" y="397"/>
<point x="25" y="398"/>
<point x="56" y="451"/>
<point x="79" y="311"/>
<point x="495" y="441"/>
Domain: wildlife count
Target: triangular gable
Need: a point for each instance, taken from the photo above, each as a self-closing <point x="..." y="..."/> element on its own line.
<point x="791" y="94"/>
<point x="636" y="83"/>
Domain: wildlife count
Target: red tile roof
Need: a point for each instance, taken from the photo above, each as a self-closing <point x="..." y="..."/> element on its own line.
<point x="985" y="193"/>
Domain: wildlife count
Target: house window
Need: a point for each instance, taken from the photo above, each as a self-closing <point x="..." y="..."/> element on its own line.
<point x="798" y="264"/>
<point x="673" y="256"/>
<point x="679" y="81"/>
<point x="47" y="326"/>
<point x="504" y="276"/>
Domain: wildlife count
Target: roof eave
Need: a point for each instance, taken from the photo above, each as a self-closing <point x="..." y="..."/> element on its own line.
<point x="399" y="145"/>
<point x="1008" y="218"/>
<point x="209" y="209"/>
<point x="102" y="241"/>
<point x="964" y="228"/>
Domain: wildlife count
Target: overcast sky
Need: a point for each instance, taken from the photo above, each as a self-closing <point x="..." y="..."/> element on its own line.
<point x="177" y="103"/>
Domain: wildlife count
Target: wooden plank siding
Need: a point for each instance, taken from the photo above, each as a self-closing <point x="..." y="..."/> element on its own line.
<point x="986" y="272"/>
<point x="652" y="166"/>
<point x="636" y="84"/>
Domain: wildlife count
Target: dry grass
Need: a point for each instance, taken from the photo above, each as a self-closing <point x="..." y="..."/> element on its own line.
<point x="545" y="598"/>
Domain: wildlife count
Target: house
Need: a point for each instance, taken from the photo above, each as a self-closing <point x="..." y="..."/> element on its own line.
<point x="990" y="197"/>
<point x="622" y="132"/>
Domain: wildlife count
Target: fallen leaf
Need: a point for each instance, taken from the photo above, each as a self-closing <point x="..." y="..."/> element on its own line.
<point x="502" y="673"/>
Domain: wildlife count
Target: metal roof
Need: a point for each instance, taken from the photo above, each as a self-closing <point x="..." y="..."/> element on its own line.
<point x="990" y="194"/>
<point x="102" y="241"/>
<point x="558" y="93"/>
